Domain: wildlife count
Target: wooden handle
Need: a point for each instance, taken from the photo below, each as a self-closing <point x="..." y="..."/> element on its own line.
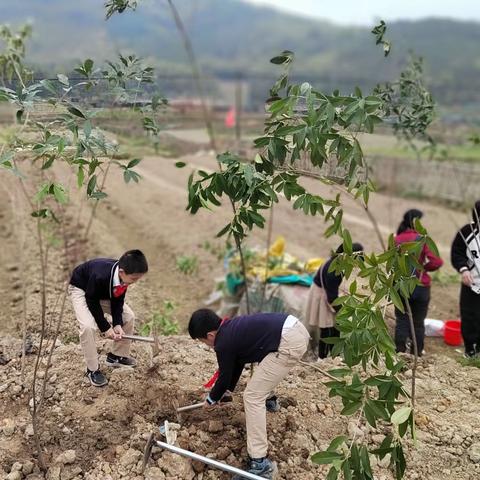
<point x="190" y="407"/>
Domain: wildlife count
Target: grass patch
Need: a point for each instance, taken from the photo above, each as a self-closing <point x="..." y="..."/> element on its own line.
<point x="469" y="362"/>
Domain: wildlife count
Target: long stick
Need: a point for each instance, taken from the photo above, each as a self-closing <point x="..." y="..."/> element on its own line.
<point x="138" y="338"/>
<point x="191" y="407"/>
<point x="207" y="461"/>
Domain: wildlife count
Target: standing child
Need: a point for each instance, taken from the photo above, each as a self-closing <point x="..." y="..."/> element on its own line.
<point x="97" y="287"/>
<point x="319" y="311"/>
<point x="420" y="298"/>
<point x="465" y="257"/>
<point x="277" y="341"/>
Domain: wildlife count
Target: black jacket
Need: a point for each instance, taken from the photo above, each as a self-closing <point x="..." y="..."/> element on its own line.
<point x="95" y="278"/>
<point x="329" y="281"/>
<point x="242" y="340"/>
<point x="466" y="252"/>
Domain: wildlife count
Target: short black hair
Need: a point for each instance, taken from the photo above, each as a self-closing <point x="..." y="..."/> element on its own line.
<point x="203" y="321"/>
<point x="408" y="222"/>
<point x="133" y="261"/>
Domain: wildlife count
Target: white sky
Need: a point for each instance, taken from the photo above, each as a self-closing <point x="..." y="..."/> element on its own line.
<point x="365" y="12"/>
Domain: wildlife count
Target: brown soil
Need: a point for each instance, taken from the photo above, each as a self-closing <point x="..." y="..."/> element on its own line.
<point x="108" y="427"/>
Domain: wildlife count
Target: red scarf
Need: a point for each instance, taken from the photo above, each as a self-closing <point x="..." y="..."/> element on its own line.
<point x="119" y="290"/>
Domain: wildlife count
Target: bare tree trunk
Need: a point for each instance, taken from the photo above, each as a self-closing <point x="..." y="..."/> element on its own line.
<point x="197" y="78"/>
<point x="415" y="350"/>
<point x="267" y="255"/>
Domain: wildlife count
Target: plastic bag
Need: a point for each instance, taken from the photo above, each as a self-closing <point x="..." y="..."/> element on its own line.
<point x="434" y="328"/>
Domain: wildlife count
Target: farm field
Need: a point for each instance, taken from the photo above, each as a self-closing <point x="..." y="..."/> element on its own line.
<point x="107" y="429"/>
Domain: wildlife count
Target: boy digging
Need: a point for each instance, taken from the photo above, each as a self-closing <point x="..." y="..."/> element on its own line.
<point x="277" y="341"/>
<point x="97" y="287"/>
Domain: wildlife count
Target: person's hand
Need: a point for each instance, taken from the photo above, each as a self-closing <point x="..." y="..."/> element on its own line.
<point x="209" y="406"/>
<point x="119" y="331"/>
<point x="110" y="333"/>
<point x="227" y="397"/>
<point x="467" y="278"/>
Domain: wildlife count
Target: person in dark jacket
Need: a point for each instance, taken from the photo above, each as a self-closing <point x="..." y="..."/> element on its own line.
<point x="420" y="298"/>
<point x="277" y="341"/>
<point x="465" y="258"/>
<point x="97" y="287"/>
<point x="319" y="311"/>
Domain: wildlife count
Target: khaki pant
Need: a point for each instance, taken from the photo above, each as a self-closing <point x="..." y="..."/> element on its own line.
<point x="267" y="375"/>
<point x="88" y="326"/>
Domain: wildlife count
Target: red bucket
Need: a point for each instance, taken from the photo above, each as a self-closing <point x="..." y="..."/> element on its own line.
<point x="452" y="333"/>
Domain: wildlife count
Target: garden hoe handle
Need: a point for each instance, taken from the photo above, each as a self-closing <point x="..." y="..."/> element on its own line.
<point x="138" y="338"/>
<point x="190" y="407"/>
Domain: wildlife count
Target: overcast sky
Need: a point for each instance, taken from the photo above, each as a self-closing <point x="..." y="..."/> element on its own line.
<point x="364" y="12"/>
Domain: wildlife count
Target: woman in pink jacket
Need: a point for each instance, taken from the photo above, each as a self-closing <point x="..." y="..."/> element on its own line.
<point x="420" y="297"/>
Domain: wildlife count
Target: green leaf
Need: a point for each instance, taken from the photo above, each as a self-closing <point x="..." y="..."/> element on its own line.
<point x="324" y="458"/>
<point x="180" y="164"/>
<point x="48" y="85"/>
<point x="92" y="183"/>
<point x="63" y="79"/>
<point x="401" y="415"/>
<point x="88" y="65"/>
<point x="19" y="116"/>
<point x="397" y="301"/>
<point x="80" y="176"/>
<point x="336" y="442"/>
<point x="75" y="111"/>
<point x="332" y="474"/>
<point x="285" y="57"/>
<point x="351" y="408"/>
<point x="59" y="193"/>
<point x="224" y="230"/>
<point x="98" y="195"/>
<point x="87" y="128"/>
<point x="134" y="162"/>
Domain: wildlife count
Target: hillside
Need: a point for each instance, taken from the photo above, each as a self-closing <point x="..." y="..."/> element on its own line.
<point x="231" y="36"/>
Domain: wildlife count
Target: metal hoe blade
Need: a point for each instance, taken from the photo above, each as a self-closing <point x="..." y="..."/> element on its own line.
<point x="148" y="451"/>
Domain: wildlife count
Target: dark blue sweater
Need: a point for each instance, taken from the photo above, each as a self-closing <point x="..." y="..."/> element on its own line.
<point x="242" y="340"/>
<point x="95" y="278"/>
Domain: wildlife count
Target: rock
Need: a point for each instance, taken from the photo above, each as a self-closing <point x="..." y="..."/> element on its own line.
<point x="16" y="389"/>
<point x="28" y="467"/>
<point x="29" y="430"/>
<point x="9" y="427"/>
<point x="474" y="452"/>
<point x="70" y="472"/>
<point x="154" y="473"/>
<point x="290" y="423"/>
<point x="14" y="475"/>
<point x="215" y="426"/>
<point x="16" y="467"/>
<point x="53" y="473"/>
<point x="66" y="458"/>
<point x="441" y="408"/>
<point x="223" y="453"/>
<point x="130" y="457"/>
<point x="176" y="467"/>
